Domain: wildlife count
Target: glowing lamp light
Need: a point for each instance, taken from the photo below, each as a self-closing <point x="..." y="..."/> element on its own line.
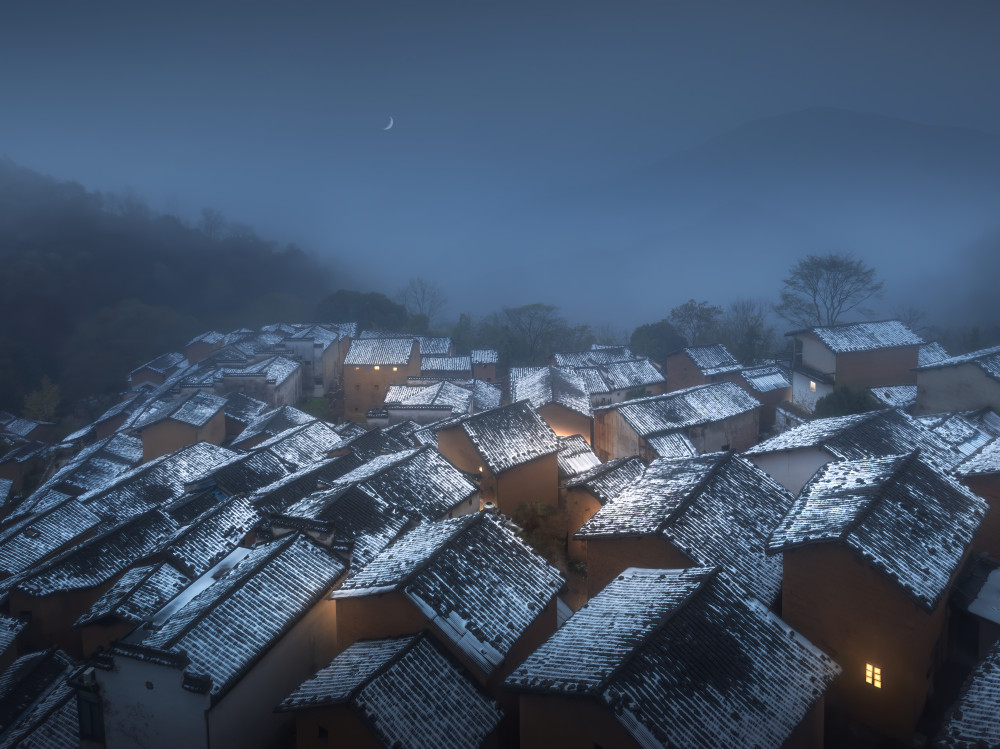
<point x="395" y="369"/>
<point x="376" y="367"/>
<point x="873" y="675"/>
<point x="812" y="385"/>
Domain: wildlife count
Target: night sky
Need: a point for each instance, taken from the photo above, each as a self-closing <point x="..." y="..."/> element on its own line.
<point x="504" y="112"/>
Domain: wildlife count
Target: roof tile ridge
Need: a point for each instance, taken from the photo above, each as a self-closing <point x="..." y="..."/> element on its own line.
<point x="389" y="663"/>
<point x="708" y="577"/>
<point x="280" y="547"/>
<point x="696" y="490"/>
<point x="903" y="462"/>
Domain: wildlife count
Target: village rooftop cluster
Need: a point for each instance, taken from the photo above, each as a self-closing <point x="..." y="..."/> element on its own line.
<point x="604" y="551"/>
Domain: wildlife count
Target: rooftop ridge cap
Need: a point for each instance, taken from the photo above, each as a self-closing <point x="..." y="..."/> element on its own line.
<point x="695" y="490"/>
<point x="389" y="662"/>
<point x="709" y="576"/>
<point x="280" y="546"/>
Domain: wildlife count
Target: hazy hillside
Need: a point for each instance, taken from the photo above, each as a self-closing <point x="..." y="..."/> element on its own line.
<point x="727" y="218"/>
<point x="93" y="285"/>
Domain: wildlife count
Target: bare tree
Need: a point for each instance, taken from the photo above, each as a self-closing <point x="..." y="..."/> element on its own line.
<point x="422" y="297"/>
<point x="212" y="223"/>
<point x="696" y="321"/>
<point x="745" y="331"/>
<point x="823" y="288"/>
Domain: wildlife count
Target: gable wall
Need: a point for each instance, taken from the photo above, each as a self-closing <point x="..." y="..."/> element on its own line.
<point x="613" y="437"/>
<point x="609" y="557"/>
<point x="988" y="537"/>
<point x="857" y="615"/>
<point x="168" y="435"/>
<point x="815" y="354"/>
<point x="342" y="726"/>
<point x="890" y="366"/>
<point x="792" y="468"/>
<point x="565" y="422"/>
<point x="555" y="721"/>
<point x="961" y="388"/>
<point x="681" y="372"/>
<point x="365" y="387"/>
<point x="534" y="481"/>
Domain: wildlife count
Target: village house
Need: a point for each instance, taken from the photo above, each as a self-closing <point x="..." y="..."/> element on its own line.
<point x="317" y="349"/>
<point x="715" y="509"/>
<point x="575" y="456"/>
<point x="450" y="368"/>
<point x="673" y="658"/>
<point x="858" y="355"/>
<point x="24" y="465"/>
<point x="212" y="672"/>
<point x="285" y="491"/>
<point x="269" y="424"/>
<point x="15" y="429"/>
<point x="700" y="365"/>
<point x="618" y="381"/>
<point x="170" y="425"/>
<point x="476" y="586"/>
<point x="299" y="446"/>
<point x="595" y="356"/>
<point x="960" y="383"/>
<point x="871" y="549"/>
<point x="558" y="394"/>
<point x="719" y="416"/>
<point x="398" y="691"/>
<point x="158" y="370"/>
<point x="771" y="385"/>
<point x="972" y="720"/>
<point x="484" y="364"/>
<point x="371" y="366"/>
<point x="202" y="346"/>
<point x="974" y="621"/>
<point x="980" y="472"/>
<point x="511" y="449"/>
<point x="792" y="457"/>
<point x="581" y="496"/>
<point x="240" y="411"/>
<point x="423" y="404"/>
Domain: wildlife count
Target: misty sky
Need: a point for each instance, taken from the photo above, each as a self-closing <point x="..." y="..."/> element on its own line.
<point x="274" y="112"/>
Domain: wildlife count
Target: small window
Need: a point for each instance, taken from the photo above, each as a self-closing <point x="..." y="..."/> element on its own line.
<point x="357" y="368"/>
<point x="395" y="369"/>
<point x="376" y="367"/>
<point x="873" y="675"/>
<point x="812" y="386"/>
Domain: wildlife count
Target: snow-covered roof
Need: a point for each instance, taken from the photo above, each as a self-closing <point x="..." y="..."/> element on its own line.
<point x="441" y="394"/>
<point x="227" y="628"/>
<point x="200" y="545"/>
<point x="243" y="409"/>
<point x="161" y="364"/>
<point x="408" y="692"/>
<point x="866" y="435"/>
<point x="716" y="509"/>
<point x="138" y="594"/>
<point x="906" y="519"/>
<point x="484" y="356"/>
<point x="37" y="704"/>
<point x="471" y="577"/>
<point x="272" y="423"/>
<point x="388" y="439"/>
<point x="241" y="472"/>
<point x="895" y="396"/>
<point x="607" y="480"/>
<point x="31" y="539"/>
<point x="593" y="357"/>
<point x="575" y="457"/>
<point x="987" y="360"/>
<point x="452" y="366"/>
<point x="972" y="721"/>
<point x="627" y="374"/>
<point x="671" y="445"/>
<point x="509" y="436"/>
<point x="95" y="466"/>
<point x="680" y="409"/>
<point x="930" y="353"/>
<point x="299" y="446"/>
<point x="682" y="658"/>
<point x="957" y="430"/>
<point x="379" y="351"/>
<point x="864" y="336"/>
<point x="984" y="461"/>
<point x="544" y="385"/>
<point x="485" y="396"/>
<point x="210" y="337"/>
<point x="712" y="359"/>
<point x="290" y="488"/>
<point x="194" y="410"/>
<point x="766" y="378"/>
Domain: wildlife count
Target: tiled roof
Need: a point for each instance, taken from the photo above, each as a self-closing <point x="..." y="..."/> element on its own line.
<point x="138" y="594"/>
<point x="987" y="360"/>
<point x="442" y="394"/>
<point x="930" y="353"/>
<point x="161" y="364"/>
<point x="766" y="378"/>
<point x="287" y="490"/>
<point x="419" y="482"/>
<point x="593" y="357"/>
<point x="157" y="482"/>
<point x="607" y="480"/>
<point x="671" y="445"/>
<point x="972" y="721"/>
<point x="210" y="337"/>
<point x="31" y="539"/>
<point x="10" y="628"/>
<point x="229" y="626"/>
<point x="272" y="423"/>
<point x="452" y="365"/>
<point x="680" y="409"/>
<point x="21" y="427"/>
<point x="408" y="691"/>
<point x="302" y="445"/>
<point x="896" y="396"/>
<point x="473" y="578"/>
<point x="509" y="436"/>
<point x="485" y="396"/>
<point x="380" y="351"/>
<point x="274" y="369"/>
<point x="575" y="457"/>
<point x="906" y="519"/>
<point x="195" y="410"/>
<point x="199" y="546"/>
<point x="484" y="356"/>
<point x="985" y="461"/>
<point x="241" y="408"/>
<point x="683" y="658"/>
<point x="99" y="559"/>
<point x="866" y="435"/>
<point x="716" y="509"/>
<point x="958" y="431"/>
<point x="627" y="374"/>
<point x="544" y="385"/>
<point x="388" y="439"/>
<point x="864" y="336"/>
<point x="712" y="359"/>
<point x="37" y="706"/>
<point x="95" y="466"/>
<point x="243" y="472"/>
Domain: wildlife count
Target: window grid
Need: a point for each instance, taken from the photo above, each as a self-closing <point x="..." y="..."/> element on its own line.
<point x="873" y="675"/>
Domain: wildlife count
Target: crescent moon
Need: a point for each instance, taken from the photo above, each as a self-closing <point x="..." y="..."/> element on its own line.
<point x="389" y="126"/>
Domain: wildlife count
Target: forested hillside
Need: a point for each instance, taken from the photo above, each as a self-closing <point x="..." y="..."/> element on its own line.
<point x="91" y="284"/>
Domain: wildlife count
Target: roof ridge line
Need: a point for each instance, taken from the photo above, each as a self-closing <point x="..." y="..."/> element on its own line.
<point x="389" y="663"/>
<point x="695" y="490"/>
<point x="468" y="521"/>
<point x="904" y="461"/>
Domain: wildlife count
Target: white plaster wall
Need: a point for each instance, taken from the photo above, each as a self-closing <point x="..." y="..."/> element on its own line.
<point x="817" y="356"/>
<point x="792" y="468"/>
<point x="802" y="395"/>
<point x="962" y="388"/>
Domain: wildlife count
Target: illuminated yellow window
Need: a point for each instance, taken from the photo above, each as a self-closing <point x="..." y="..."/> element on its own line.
<point x="395" y="369"/>
<point x="873" y="675"/>
<point x="812" y="385"/>
<point x="357" y="367"/>
<point x="376" y="367"/>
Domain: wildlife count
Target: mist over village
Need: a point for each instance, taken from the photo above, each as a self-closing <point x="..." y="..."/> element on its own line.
<point x="480" y="374"/>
